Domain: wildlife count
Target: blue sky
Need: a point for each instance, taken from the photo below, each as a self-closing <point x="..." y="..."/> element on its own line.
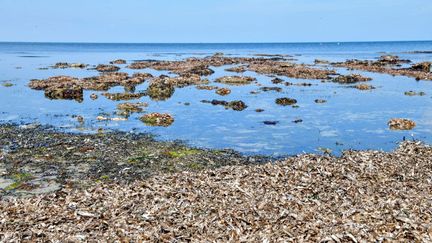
<point x="143" y="21"/>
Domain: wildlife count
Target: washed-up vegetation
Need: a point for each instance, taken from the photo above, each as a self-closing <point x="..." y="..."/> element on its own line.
<point x="363" y="196"/>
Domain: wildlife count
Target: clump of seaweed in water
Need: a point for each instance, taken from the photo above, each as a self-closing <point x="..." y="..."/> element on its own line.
<point x="157" y="119"/>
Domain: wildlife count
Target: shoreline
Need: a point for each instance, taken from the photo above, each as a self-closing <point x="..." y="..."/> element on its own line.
<point x="362" y="195"/>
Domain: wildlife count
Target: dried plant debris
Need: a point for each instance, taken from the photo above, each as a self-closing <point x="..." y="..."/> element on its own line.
<point x="401" y="124"/>
<point x="158" y="119"/>
<point x="236" y="105"/>
<point x="420" y="71"/>
<point x="235" y="80"/>
<point x="363" y="196"/>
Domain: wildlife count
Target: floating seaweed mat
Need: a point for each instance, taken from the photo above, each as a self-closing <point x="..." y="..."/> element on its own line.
<point x="362" y="196"/>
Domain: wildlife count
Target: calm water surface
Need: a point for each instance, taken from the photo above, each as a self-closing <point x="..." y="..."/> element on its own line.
<point x="350" y="118"/>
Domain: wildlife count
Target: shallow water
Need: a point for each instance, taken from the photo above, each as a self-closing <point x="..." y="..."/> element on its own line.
<point x="350" y="119"/>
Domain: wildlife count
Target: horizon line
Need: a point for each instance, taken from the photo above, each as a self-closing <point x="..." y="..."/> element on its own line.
<point x="194" y="43"/>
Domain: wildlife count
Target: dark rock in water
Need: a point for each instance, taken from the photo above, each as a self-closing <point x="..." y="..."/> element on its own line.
<point x="271" y="122"/>
<point x="364" y="87"/>
<point x="318" y="61"/>
<point x="239" y="69"/>
<point x="259" y="110"/>
<point x="423" y="67"/>
<point x="235" y="80"/>
<point x="286" y="101"/>
<point x="236" y="105"/>
<point x="413" y="93"/>
<point x="277" y="80"/>
<point x="118" y="61"/>
<point x="350" y="79"/>
<point x="401" y="124"/>
<point x="123" y="96"/>
<point x="265" y="89"/>
<point x="391" y="60"/>
<point x="201" y="70"/>
<point x="223" y="91"/>
<point x="320" y="101"/>
<point x="64" y="65"/>
<point x="298" y="121"/>
<point x="160" y="89"/>
<point x="131" y="107"/>
<point x="93" y="96"/>
<point x="107" y="68"/>
<point x="65" y="93"/>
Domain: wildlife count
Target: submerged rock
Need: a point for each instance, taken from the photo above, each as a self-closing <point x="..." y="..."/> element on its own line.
<point x="207" y="87"/>
<point x="286" y="101"/>
<point x="270" y="122"/>
<point x="235" y="80"/>
<point x="401" y="124"/>
<point x="259" y="110"/>
<point x="157" y="119"/>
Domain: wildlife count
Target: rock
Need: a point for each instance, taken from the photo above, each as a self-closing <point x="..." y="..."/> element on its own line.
<point x="297" y="121"/>
<point x="320" y="101"/>
<point x="318" y="61"/>
<point x="118" y="61"/>
<point x="277" y="80"/>
<point x="413" y="93"/>
<point x="286" y="101"/>
<point x="364" y="87"/>
<point x="349" y="79"/>
<point x="259" y="110"/>
<point x="238" y="69"/>
<point x="157" y="119"/>
<point x="64" y="65"/>
<point x="93" y="96"/>
<point x="265" y="89"/>
<point x="206" y="87"/>
<point x="131" y="107"/>
<point x="223" y="91"/>
<point x="65" y="93"/>
<point x="160" y="89"/>
<point x="401" y="124"/>
<point x="107" y="68"/>
<point x="235" y="80"/>
<point x="102" y="118"/>
<point x="80" y="119"/>
<point x="270" y="122"/>
<point x="422" y="67"/>
<point x="236" y="105"/>
<point x="123" y="96"/>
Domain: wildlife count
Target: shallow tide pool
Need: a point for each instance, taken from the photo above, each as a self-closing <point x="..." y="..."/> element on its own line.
<point x="350" y="119"/>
